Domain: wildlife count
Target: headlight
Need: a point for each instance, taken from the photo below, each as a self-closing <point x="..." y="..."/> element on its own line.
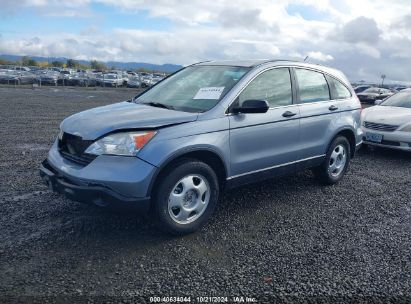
<point x="406" y="128"/>
<point x="127" y="143"/>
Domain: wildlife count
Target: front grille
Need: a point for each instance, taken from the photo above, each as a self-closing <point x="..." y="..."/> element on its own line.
<point x="72" y="147"/>
<point x="380" y="127"/>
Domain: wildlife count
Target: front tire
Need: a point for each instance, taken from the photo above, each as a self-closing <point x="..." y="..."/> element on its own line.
<point x="336" y="162"/>
<point x="186" y="197"/>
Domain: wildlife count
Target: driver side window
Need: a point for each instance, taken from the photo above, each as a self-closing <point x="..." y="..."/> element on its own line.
<point x="274" y="86"/>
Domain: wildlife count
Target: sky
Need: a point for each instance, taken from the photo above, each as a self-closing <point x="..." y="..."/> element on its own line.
<point x="364" y="39"/>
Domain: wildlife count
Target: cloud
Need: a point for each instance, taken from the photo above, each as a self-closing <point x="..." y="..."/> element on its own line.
<point x="320" y="56"/>
<point x="363" y="38"/>
<point x="368" y="50"/>
<point x="361" y="29"/>
<point x="245" y="19"/>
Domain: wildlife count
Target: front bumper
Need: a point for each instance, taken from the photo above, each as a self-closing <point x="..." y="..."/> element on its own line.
<point x="132" y="85"/>
<point x="107" y="180"/>
<point x="48" y="81"/>
<point x="109" y="84"/>
<point x="88" y="194"/>
<point x="384" y="145"/>
<point x="394" y="140"/>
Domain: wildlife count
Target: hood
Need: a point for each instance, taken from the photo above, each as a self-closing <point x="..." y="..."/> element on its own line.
<point x="97" y="122"/>
<point x="388" y="115"/>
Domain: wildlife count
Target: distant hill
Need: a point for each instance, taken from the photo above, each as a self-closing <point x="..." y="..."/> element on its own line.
<point x="169" y="68"/>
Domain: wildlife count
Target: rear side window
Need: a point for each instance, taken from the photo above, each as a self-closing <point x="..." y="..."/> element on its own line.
<point x="274" y="86"/>
<point x="340" y="90"/>
<point x="312" y="86"/>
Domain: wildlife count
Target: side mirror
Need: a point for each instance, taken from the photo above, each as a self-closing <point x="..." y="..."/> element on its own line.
<point x="252" y="106"/>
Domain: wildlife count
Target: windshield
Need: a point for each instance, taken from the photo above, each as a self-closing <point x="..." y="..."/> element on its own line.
<point x="372" y="90"/>
<point x="402" y="100"/>
<point x="195" y="88"/>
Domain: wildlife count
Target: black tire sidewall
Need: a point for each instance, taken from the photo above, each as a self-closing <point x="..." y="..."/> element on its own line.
<point x="165" y="186"/>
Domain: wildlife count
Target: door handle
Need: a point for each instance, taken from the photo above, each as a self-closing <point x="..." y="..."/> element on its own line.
<point x="289" y="114"/>
<point x="333" y="108"/>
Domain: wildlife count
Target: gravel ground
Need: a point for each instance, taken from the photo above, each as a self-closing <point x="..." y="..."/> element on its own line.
<point x="289" y="239"/>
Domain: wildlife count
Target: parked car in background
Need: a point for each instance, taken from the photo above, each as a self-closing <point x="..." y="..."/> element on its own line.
<point x="389" y="124"/>
<point x="397" y="89"/>
<point x="361" y="88"/>
<point x="210" y="126"/>
<point x="65" y="77"/>
<point x="133" y="82"/>
<point x="17" y="77"/>
<point x="370" y="95"/>
<point x="48" y="78"/>
<point x="21" y="68"/>
<point x="78" y="79"/>
<point x="154" y="80"/>
<point x="125" y="78"/>
<point x="26" y="77"/>
<point x="8" y="77"/>
<point x="83" y="79"/>
<point x="111" y="80"/>
<point x="145" y="80"/>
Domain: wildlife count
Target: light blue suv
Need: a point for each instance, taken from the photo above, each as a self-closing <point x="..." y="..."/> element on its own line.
<point x="210" y="126"/>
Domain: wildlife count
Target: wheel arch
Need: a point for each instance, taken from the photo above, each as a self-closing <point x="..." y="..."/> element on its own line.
<point x="350" y="135"/>
<point x="204" y="154"/>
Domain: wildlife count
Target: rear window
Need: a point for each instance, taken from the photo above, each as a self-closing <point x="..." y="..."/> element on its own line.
<point x="312" y="86"/>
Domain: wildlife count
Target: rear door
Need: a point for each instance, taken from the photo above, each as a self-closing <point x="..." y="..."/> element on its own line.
<point x="263" y="142"/>
<point x="319" y="114"/>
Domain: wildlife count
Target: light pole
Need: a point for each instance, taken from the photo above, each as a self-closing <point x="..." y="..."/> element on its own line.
<point x="382" y="77"/>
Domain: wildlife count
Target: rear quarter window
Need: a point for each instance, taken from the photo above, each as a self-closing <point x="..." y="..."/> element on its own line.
<point x="340" y="91"/>
<point x="312" y="85"/>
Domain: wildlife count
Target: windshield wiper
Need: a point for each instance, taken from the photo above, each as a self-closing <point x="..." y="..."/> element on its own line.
<point x="158" y="105"/>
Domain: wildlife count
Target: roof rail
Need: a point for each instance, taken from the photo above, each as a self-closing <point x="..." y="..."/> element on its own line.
<point x="300" y="61"/>
<point x="275" y="60"/>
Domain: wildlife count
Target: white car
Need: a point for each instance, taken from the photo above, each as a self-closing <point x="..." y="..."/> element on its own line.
<point x="389" y="123"/>
<point x="112" y="80"/>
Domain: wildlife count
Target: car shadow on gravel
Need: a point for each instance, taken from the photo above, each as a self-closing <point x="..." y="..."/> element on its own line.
<point x="91" y="225"/>
<point x="381" y="153"/>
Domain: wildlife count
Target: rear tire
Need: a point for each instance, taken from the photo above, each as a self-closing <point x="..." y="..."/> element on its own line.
<point x="186" y="197"/>
<point x="336" y="162"/>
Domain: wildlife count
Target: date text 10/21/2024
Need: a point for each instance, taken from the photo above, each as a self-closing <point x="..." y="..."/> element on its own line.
<point x="203" y="299"/>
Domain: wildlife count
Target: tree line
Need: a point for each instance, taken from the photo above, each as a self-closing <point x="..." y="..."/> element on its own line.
<point x="70" y="63"/>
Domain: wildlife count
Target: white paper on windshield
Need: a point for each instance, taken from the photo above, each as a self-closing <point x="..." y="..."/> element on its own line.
<point x="209" y="93"/>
